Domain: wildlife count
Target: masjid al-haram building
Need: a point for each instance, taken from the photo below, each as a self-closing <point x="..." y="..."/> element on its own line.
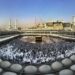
<point x="44" y="49"/>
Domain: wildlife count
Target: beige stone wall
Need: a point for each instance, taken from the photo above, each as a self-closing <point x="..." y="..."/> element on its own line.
<point x="73" y="28"/>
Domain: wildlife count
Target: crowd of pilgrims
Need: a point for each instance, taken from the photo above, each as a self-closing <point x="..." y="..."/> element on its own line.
<point x="21" y="52"/>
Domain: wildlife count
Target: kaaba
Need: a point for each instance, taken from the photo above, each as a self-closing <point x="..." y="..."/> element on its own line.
<point x="38" y="39"/>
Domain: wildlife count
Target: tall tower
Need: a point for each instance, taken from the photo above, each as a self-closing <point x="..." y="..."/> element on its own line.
<point x="10" y="25"/>
<point x="15" y="26"/>
<point x="73" y="20"/>
<point x="73" y="23"/>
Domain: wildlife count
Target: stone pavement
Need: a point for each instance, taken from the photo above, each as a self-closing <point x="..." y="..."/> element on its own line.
<point x="64" y="67"/>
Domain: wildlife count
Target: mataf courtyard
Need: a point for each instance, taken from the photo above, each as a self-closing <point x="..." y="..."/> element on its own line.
<point x="24" y="56"/>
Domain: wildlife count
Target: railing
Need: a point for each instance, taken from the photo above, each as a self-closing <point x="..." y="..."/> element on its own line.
<point x="59" y="34"/>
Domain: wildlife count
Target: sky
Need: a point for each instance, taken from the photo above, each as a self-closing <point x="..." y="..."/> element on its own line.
<point x="28" y="10"/>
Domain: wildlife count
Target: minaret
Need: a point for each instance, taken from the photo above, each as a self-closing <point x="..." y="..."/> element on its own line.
<point x="73" y="20"/>
<point x="73" y="23"/>
<point x="15" y="26"/>
<point x="10" y="27"/>
<point x="35" y="21"/>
